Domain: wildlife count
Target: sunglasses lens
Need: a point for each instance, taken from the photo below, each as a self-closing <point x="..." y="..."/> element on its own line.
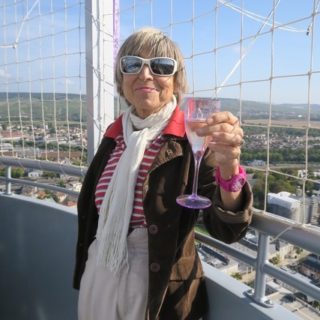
<point x="162" y="66"/>
<point x="158" y="66"/>
<point x="131" y="64"/>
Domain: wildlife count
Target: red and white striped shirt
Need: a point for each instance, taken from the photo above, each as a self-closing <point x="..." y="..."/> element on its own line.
<point x="137" y="217"/>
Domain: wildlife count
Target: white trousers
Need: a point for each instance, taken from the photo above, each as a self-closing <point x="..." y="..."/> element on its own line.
<point x="106" y="296"/>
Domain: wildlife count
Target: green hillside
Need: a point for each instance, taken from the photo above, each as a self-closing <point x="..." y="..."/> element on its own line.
<point x="38" y="106"/>
<point x="64" y="107"/>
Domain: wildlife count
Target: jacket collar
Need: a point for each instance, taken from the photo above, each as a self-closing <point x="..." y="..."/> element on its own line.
<point x="175" y="126"/>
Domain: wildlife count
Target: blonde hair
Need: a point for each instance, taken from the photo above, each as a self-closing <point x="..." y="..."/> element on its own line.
<point x="153" y="43"/>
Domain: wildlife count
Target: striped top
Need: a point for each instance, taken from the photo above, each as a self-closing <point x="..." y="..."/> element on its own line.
<point x="138" y="217"/>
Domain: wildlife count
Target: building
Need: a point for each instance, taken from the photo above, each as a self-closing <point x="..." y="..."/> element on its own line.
<point x="294" y="207"/>
<point x="35" y="174"/>
<point x="310" y="267"/>
<point x="284" y="205"/>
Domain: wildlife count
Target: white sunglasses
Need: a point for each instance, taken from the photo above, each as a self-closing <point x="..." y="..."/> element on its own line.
<point x="159" y="66"/>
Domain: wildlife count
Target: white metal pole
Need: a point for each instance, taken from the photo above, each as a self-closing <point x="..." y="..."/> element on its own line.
<point x="99" y="71"/>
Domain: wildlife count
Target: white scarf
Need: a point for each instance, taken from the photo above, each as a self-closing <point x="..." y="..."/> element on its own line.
<point x="116" y="208"/>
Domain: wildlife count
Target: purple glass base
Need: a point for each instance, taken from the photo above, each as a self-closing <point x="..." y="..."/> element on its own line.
<point x="193" y="201"/>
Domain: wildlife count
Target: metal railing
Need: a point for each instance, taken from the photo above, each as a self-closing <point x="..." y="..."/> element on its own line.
<point x="270" y="225"/>
<point x="39" y="165"/>
<point x="267" y="225"/>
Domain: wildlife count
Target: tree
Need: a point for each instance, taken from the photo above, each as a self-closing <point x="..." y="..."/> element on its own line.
<point x="258" y="194"/>
<point x="275" y="260"/>
<point x="17" y="172"/>
<point x="237" y="275"/>
<point x="280" y="185"/>
<point x="61" y="183"/>
<point x="47" y="174"/>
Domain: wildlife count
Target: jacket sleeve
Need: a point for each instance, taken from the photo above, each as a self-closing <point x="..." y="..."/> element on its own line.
<point x="222" y="224"/>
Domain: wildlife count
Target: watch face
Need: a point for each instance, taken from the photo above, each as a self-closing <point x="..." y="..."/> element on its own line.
<point x="238" y="184"/>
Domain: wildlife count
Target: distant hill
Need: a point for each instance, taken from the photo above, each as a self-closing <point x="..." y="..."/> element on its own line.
<point x="47" y="105"/>
<point x="260" y="110"/>
<point x="50" y="105"/>
<point x="38" y="95"/>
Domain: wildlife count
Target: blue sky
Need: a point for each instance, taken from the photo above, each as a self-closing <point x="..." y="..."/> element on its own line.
<point x="50" y="45"/>
<point x="285" y="53"/>
<point x="288" y="49"/>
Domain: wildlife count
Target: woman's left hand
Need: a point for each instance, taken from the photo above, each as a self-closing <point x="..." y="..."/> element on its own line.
<point x="226" y="139"/>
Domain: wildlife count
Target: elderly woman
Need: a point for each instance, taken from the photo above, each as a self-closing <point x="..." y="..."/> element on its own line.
<point x="136" y="256"/>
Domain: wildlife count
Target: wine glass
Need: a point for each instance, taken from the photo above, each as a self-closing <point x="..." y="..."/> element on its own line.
<point x="196" y="111"/>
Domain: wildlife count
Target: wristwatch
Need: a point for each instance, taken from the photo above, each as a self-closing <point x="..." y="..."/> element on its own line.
<point x="235" y="183"/>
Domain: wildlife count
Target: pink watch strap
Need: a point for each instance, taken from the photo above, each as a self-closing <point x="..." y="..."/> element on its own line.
<point x="235" y="183"/>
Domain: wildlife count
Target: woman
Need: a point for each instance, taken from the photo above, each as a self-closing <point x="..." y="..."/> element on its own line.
<point x="136" y="255"/>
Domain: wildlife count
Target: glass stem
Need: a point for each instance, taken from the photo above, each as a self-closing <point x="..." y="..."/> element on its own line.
<point x="197" y="159"/>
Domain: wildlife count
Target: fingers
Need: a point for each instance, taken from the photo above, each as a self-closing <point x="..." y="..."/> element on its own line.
<point x="232" y="139"/>
<point x="223" y="117"/>
<point x="225" y="135"/>
<point x="223" y="128"/>
<point x="228" y="152"/>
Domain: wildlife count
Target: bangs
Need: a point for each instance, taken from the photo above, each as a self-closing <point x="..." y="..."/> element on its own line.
<point x="150" y="45"/>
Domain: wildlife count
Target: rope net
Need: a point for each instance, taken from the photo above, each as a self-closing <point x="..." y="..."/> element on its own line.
<point x="42" y="86"/>
<point x="261" y="58"/>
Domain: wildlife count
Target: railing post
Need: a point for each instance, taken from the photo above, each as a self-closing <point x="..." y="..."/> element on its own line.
<point x="99" y="70"/>
<point x="258" y="294"/>
<point x="8" y="183"/>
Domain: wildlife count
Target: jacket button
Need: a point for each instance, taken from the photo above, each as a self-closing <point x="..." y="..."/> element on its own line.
<point x="153" y="229"/>
<point x="155" y="267"/>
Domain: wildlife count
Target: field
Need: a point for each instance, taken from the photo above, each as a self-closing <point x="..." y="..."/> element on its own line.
<point x="293" y="123"/>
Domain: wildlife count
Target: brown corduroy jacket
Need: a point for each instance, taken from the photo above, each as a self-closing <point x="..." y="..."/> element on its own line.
<point x="176" y="283"/>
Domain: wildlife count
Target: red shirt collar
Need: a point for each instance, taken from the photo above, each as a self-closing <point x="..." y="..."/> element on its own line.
<point x="175" y="126"/>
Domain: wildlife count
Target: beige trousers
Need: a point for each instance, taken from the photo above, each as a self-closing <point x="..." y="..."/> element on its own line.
<point x="106" y="296"/>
